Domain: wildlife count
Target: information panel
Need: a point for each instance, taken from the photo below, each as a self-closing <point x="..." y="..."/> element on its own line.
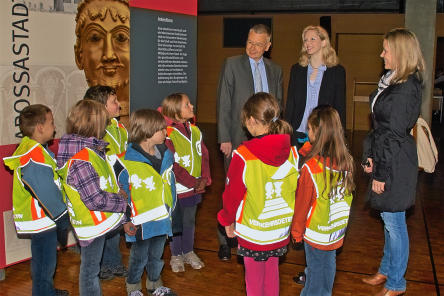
<point x="163" y="56"/>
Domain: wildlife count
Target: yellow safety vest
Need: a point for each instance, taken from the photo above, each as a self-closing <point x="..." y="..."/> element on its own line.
<point x="151" y="197"/>
<point x="29" y="217"/>
<point x="117" y="137"/>
<point x="266" y="211"/>
<point x="188" y="153"/>
<point x="328" y="216"/>
<point x="90" y="224"/>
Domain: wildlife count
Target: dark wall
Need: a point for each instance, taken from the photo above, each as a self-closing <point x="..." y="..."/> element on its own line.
<point x="220" y="6"/>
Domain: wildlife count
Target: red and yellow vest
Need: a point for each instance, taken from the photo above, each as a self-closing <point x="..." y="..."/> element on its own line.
<point x="266" y="211"/>
<point x="188" y="153"/>
<point x="90" y="224"/>
<point x="117" y="137"/>
<point x="328" y="216"/>
<point x="29" y="217"/>
<point x="151" y="197"/>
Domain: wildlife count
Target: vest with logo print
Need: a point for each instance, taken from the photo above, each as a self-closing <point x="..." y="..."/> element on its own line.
<point x="328" y="216"/>
<point x="29" y="217"/>
<point x="90" y="224"/>
<point x="151" y="197"/>
<point x="266" y="211"/>
<point x="188" y="153"/>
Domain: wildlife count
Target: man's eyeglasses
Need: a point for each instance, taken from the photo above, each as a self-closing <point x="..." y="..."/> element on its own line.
<point x="256" y="44"/>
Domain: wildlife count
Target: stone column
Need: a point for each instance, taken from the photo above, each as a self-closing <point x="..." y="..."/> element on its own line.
<point x="420" y="17"/>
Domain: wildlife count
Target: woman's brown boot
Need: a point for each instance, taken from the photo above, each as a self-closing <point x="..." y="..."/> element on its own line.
<point x="375" y="279"/>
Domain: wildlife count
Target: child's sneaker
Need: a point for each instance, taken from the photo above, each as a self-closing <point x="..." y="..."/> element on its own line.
<point x="192" y="259"/>
<point x="111" y="272"/>
<point x="163" y="291"/>
<point x="135" y="293"/>
<point x="61" y="292"/>
<point x="106" y="274"/>
<point x="176" y="263"/>
<point x="120" y="271"/>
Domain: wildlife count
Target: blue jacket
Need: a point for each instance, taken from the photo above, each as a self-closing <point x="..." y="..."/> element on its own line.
<point x="40" y="181"/>
<point x="153" y="228"/>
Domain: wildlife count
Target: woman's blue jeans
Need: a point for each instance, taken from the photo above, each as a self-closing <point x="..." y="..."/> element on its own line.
<point x="396" y="250"/>
<point x="320" y="271"/>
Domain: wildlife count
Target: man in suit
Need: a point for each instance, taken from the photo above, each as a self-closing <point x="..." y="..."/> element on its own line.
<point x="241" y="77"/>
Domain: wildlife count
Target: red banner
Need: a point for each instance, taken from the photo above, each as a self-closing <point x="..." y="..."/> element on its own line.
<point x="178" y="6"/>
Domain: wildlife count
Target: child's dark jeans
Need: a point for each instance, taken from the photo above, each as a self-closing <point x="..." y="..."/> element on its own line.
<point x="43" y="262"/>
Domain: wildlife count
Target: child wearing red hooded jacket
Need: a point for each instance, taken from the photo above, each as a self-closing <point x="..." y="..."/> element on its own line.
<point x="192" y="170"/>
<point x="258" y="201"/>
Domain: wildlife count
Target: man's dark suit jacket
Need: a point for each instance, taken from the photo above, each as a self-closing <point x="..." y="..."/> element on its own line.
<point x="236" y="85"/>
<point x="332" y="92"/>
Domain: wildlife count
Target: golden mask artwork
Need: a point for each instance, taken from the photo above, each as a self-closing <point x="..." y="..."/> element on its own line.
<point x="102" y="45"/>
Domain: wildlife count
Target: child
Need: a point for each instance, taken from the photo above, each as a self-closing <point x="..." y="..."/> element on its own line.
<point x="192" y="171"/>
<point x="149" y="181"/>
<point x="116" y="136"/>
<point x="37" y="197"/>
<point x="323" y="198"/>
<point x="259" y="193"/>
<point x="95" y="202"/>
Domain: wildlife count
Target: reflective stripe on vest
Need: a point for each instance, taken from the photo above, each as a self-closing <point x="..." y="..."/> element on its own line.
<point x="188" y="153"/>
<point x="117" y="137"/>
<point x="266" y="211"/>
<point x="90" y="224"/>
<point x="151" y="197"/>
<point x="29" y="217"/>
<point x="328" y="216"/>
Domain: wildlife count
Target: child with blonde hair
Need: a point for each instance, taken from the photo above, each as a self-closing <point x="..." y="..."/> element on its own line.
<point x="117" y="137"/>
<point x="323" y="198"/>
<point x="192" y="171"/>
<point x="95" y="201"/>
<point x="260" y="192"/>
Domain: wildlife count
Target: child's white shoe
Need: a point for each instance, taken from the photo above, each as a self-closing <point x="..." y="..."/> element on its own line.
<point x="163" y="291"/>
<point x="176" y="263"/>
<point x="192" y="259"/>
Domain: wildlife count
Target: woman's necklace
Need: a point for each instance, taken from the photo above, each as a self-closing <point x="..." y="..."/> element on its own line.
<point x="315" y="68"/>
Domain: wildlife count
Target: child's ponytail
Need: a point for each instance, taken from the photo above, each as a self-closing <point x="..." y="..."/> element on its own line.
<point x="265" y="108"/>
<point x="279" y="126"/>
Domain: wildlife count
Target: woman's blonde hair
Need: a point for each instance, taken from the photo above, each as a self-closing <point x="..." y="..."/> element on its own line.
<point x="172" y="106"/>
<point x="328" y="53"/>
<point x="406" y="54"/>
<point x="144" y="123"/>
<point x="329" y="142"/>
<point x="87" y="118"/>
<point x="264" y="108"/>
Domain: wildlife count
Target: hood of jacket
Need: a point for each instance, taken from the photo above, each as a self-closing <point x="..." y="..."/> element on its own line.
<point x="70" y="144"/>
<point x="28" y="147"/>
<point x="270" y="149"/>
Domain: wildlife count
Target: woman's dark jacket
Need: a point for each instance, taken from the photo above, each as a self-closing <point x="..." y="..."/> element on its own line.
<point x="392" y="148"/>
<point x="332" y="92"/>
